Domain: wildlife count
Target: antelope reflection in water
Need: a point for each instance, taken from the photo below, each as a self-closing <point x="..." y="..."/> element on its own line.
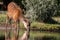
<point x="25" y="36"/>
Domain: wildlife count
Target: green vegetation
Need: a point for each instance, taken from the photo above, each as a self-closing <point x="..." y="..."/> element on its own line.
<point x="40" y="10"/>
<point x="2" y="18"/>
<point x="37" y="25"/>
<point x="45" y="26"/>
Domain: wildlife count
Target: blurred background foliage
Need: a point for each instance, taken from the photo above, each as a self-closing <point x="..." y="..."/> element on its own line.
<point x="41" y="10"/>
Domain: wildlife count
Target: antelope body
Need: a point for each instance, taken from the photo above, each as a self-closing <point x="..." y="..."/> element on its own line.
<point x="15" y="13"/>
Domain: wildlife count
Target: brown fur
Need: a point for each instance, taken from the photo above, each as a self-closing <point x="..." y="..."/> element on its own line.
<point x="15" y="13"/>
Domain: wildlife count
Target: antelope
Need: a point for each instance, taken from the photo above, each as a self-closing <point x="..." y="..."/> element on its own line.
<point x="25" y="36"/>
<point x="15" y="13"/>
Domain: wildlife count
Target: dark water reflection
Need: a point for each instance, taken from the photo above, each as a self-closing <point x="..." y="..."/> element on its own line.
<point x="25" y="35"/>
<point x="2" y="37"/>
<point x="44" y="36"/>
<point x="34" y="35"/>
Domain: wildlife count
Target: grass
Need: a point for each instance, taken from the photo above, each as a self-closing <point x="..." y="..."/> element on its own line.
<point x="37" y="25"/>
<point x="56" y="19"/>
<point x="2" y="18"/>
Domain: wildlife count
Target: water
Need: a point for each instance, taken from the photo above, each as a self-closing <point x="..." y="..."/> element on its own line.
<point x="34" y="35"/>
<point x="37" y="35"/>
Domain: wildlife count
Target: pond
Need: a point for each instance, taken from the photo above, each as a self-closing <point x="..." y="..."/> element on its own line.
<point x="34" y="35"/>
<point x="37" y="35"/>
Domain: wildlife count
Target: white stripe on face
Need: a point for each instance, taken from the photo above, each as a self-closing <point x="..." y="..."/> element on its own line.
<point x="25" y="24"/>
